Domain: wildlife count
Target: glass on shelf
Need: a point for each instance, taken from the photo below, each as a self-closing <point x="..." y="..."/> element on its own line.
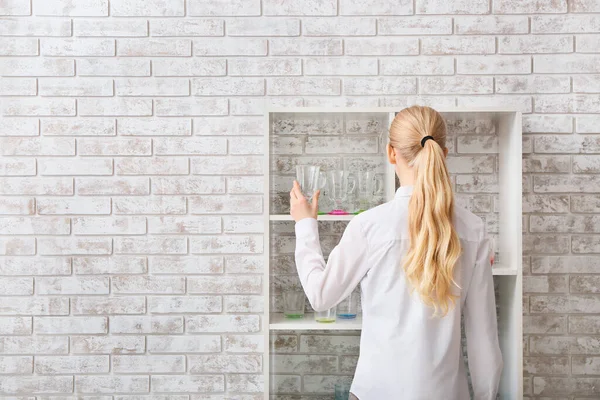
<point x="342" y="391"/>
<point x="348" y="309"/>
<point x="293" y="304"/>
<point x="327" y="316"/>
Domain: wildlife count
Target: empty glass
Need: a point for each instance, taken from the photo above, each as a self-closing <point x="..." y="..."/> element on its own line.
<point x="348" y="309"/>
<point x="369" y="185"/>
<point x="342" y="391"/>
<point x="325" y="317"/>
<point x="310" y="179"/>
<point x="340" y="184"/>
<point x="293" y="304"/>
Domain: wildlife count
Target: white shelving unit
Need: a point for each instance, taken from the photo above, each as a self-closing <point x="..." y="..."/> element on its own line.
<point x="508" y="272"/>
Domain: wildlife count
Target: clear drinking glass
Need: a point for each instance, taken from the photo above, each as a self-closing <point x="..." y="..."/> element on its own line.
<point x="326" y="317"/>
<point x="369" y="185"/>
<point x="342" y="391"/>
<point x="310" y="179"/>
<point x="293" y="304"/>
<point x="348" y="309"/>
<point x="340" y="184"/>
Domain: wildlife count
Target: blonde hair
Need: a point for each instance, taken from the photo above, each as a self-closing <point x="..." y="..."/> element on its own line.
<point x="434" y="244"/>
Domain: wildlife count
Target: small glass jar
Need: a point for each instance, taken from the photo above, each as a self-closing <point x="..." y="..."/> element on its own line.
<point x="342" y="391"/>
<point x="348" y="309"/>
<point x="293" y="304"/>
<point x="326" y="317"/>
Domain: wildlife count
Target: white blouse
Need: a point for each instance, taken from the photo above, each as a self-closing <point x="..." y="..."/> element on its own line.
<point x="405" y="353"/>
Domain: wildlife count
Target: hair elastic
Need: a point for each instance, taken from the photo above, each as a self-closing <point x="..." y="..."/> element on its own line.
<point x="426" y="138"/>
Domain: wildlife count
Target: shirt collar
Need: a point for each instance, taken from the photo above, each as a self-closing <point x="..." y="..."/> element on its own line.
<point x="404" y="191"/>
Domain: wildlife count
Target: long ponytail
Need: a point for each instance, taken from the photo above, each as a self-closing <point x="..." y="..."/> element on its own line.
<point x="434" y="243"/>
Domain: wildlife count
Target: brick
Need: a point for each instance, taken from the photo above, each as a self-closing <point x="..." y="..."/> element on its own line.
<point x="188" y="225"/>
<point x="375" y="7"/>
<point x="84" y="8"/>
<point x="103" y="305"/>
<point x="562" y="184"/>
<point x="13" y="266"/>
<point x="316" y="145"/>
<point x="73" y="206"/>
<point x="191" y="107"/>
<point x="529" y="6"/>
<point x="456" y="85"/>
<point x="584" y="324"/>
<point x="295" y="363"/>
<point x="458" y="45"/>
<point x="184" y="344"/>
<point x="329" y="344"/>
<point x="535" y="44"/>
<point x="15" y="7"/>
<point x="471" y="164"/>
<point x="36" y="67"/>
<point x="109" y="226"/>
<point x="187" y="265"/>
<point x="260" y="67"/>
<point x="586" y="83"/>
<point x="586" y="164"/>
<point x="545" y="284"/>
<point x="381" y="46"/>
<point x="493" y="65"/>
<point x="565" y="23"/>
<point x="38" y="345"/>
<point x="71" y="364"/>
<point x="244" y="343"/>
<point x="245" y="185"/>
<point x="112" y="384"/>
<point x="535" y="84"/>
<point x="39" y="107"/>
<point x="311" y="7"/>
<point x="192" y="27"/>
<point x="218" y="363"/>
<point x="222" y="323"/>
<point x="582" y="6"/>
<point x="585" y="203"/>
<point x="584" y="284"/>
<point x="184" y="304"/>
<point x="244" y="264"/>
<point x="340" y="66"/>
<point x="17" y="246"/>
<point x="17" y="167"/>
<point x="18" y="87"/>
<point x="518" y="103"/>
<point x="112" y="265"/>
<point x="19" y="127"/>
<point x="564" y="304"/>
<point x="191" y="146"/>
<point x="151" y="245"/>
<point x="415" y="26"/>
<point x="37" y="186"/>
<point x="563" y="386"/>
<point x="36" y="384"/>
<point x="107" y="344"/>
<point x="256" y="106"/>
<point x="154" y="127"/>
<point x="184" y="67"/>
<point x="78" y="127"/>
<point x="148" y="364"/>
<point x="109" y="186"/>
<point x="154" y="47"/>
<point x="227" y="165"/>
<point x="306" y="47"/>
<point x="456" y="7"/>
<point x="114" y="147"/>
<point x="246" y="383"/>
<point x="16" y="286"/>
<point x="70" y="325"/>
<point x="366" y="86"/>
<point x="477" y="144"/>
<point x="186" y="383"/>
<point x="479" y="25"/>
<point x="576" y="63"/>
<point x="587" y="124"/>
<point x="153" y="166"/>
<point x="126" y="28"/>
<point x="77" y="47"/>
<point x="303" y="86"/>
<point x="147" y="8"/>
<point x="418" y="66"/>
<point x="339" y="27"/>
<point x="547" y="164"/>
<point x="264" y="27"/>
<point x="152" y="87"/>
<point x="220" y="8"/>
<point x="545" y="203"/>
<point x="544" y="324"/>
<point x="34" y="226"/>
<point x="15" y="326"/>
<point x="37" y="147"/>
<point x="114" y="107"/>
<point x="225" y="285"/>
<point x="74" y="246"/>
<point x="22" y="206"/>
<point x="230" y="47"/>
<point x="233" y="304"/>
<point x="228" y="86"/>
<point x="145" y="324"/>
<point x="226" y="244"/>
<point x="585" y="244"/>
<point x="113" y="67"/>
<point x="240" y="204"/>
<point x="90" y="166"/>
<point x="567" y="144"/>
<point x="154" y="205"/>
<point x="147" y="284"/>
<point x="585" y="365"/>
<point x="546" y="365"/>
<point x="75" y="87"/>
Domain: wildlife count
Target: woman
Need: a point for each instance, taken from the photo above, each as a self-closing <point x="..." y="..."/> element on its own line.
<point x="420" y="262"/>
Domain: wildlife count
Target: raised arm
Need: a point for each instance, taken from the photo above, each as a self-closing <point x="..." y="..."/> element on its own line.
<point x="326" y="284"/>
<point x="485" y="359"/>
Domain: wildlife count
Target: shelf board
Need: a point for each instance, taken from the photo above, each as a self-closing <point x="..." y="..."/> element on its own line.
<point x="279" y="322"/>
<point x="284" y="217"/>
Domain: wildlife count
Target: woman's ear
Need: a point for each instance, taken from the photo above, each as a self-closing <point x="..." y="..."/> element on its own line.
<point x="391" y="153"/>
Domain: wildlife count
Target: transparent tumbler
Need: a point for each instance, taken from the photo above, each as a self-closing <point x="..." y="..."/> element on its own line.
<point x="326" y="317"/>
<point x="293" y="304"/>
<point x="348" y="309"/>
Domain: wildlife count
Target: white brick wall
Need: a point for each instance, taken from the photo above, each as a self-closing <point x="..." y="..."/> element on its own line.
<point x="130" y="144"/>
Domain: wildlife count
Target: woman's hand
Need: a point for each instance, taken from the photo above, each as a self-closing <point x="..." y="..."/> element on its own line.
<point x="300" y="208"/>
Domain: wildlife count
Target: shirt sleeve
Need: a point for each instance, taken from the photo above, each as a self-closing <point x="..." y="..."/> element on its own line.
<point x="326" y="284"/>
<point x="485" y="358"/>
